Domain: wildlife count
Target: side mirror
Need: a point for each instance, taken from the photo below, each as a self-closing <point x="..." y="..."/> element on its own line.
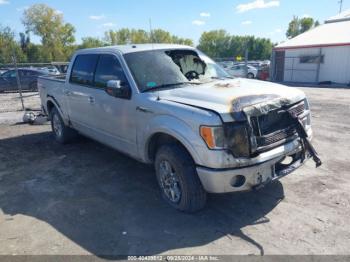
<point x="118" y="88"/>
<point x="114" y="84"/>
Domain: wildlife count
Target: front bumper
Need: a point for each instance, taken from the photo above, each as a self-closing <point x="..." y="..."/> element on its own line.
<point x="250" y="177"/>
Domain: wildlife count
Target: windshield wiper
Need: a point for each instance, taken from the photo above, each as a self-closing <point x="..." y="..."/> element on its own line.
<point x="164" y="86"/>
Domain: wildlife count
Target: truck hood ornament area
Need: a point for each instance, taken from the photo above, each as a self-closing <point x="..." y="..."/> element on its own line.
<point x="239" y="99"/>
<point x="230" y="98"/>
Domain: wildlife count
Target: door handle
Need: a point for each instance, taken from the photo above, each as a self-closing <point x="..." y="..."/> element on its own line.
<point x="143" y="110"/>
<point x="91" y="100"/>
<point x="68" y="93"/>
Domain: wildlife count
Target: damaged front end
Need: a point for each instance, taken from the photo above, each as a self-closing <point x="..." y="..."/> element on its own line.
<point x="266" y="123"/>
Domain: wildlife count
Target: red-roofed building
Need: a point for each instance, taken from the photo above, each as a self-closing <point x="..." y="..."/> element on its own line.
<point x="318" y="55"/>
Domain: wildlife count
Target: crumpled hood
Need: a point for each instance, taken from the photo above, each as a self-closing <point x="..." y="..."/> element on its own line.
<point x="230" y="98"/>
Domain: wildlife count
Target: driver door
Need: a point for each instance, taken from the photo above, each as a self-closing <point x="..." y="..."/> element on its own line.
<point x="112" y="117"/>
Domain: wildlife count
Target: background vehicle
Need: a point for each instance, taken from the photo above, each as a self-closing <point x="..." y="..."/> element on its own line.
<point x="264" y="72"/>
<point x="3" y="70"/>
<point x="28" y="78"/>
<point x="172" y="106"/>
<point x="240" y="71"/>
<point x="226" y="64"/>
<point x="50" y="70"/>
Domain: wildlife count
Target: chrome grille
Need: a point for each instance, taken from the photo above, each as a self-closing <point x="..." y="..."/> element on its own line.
<point x="298" y="109"/>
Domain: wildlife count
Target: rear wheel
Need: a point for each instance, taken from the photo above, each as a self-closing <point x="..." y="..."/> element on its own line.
<point x="63" y="134"/>
<point x="250" y="75"/>
<point x="178" y="180"/>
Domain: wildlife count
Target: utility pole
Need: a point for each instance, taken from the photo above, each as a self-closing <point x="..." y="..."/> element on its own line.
<point x="14" y="60"/>
<point x="246" y="55"/>
<point x="340" y="6"/>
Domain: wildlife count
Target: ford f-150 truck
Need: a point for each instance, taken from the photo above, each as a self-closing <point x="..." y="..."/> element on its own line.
<point x="172" y="106"/>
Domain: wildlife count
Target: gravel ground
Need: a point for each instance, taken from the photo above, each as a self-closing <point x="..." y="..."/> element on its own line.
<point x="85" y="198"/>
<point x="11" y="102"/>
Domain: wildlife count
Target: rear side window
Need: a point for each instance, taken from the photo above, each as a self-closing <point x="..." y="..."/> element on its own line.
<point x="28" y="73"/>
<point x="108" y="68"/>
<point x="83" y="69"/>
<point x="11" y="73"/>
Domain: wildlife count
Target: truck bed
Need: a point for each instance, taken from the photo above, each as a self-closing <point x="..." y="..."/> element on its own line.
<point x="60" y="78"/>
<point x="51" y="86"/>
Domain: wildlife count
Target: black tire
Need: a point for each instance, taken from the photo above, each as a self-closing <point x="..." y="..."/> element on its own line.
<point x="192" y="194"/>
<point x="63" y="134"/>
<point x="250" y="75"/>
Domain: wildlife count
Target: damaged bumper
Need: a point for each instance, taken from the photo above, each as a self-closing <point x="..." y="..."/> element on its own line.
<point x="280" y="136"/>
<point x="254" y="176"/>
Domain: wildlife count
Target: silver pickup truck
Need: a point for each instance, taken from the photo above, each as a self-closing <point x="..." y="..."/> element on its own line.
<point x="172" y="106"/>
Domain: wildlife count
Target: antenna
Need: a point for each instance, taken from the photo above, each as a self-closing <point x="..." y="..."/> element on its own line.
<point x="340" y="6"/>
<point x="151" y="30"/>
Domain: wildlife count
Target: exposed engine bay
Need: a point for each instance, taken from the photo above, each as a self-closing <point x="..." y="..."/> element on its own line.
<point x="262" y="127"/>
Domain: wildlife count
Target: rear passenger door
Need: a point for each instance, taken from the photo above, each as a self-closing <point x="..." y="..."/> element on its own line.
<point x="112" y="117"/>
<point x="28" y="79"/>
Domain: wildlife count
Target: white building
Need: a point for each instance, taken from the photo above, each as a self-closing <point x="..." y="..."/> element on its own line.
<point x="319" y="55"/>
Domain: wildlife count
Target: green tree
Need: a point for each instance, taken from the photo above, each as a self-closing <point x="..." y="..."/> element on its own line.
<point x="293" y="27"/>
<point x="220" y="44"/>
<point x="9" y="47"/>
<point x="138" y="36"/>
<point x="181" y="41"/>
<point x="57" y="37"/>
<point x="91" y="42"/>
<point x="24" y="41"/>
<point x="215" y="43"/>
<point x="298" y="26"/>
<point x="160" y="36"/>
<point x="120" y="37"/>
<point x="35" y="53"/>
<point x="306" y="24"/>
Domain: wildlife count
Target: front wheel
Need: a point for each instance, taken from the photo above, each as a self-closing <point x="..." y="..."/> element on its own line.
<point x="63" y="134"/>
<point x="178" y="180"/>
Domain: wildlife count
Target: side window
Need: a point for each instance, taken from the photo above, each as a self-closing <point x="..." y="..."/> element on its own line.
<point x="23" y="73"/>
<point x="312" y="59"/>
<point x="83" y="69"/>
<point x="108" y="68"/>
<point x="10" y="74"/>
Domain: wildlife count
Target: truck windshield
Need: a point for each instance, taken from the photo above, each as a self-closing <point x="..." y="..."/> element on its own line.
<point x="172" y="68"/>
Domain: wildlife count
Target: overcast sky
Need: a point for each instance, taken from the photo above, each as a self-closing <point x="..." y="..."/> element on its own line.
<point x="185" y="18"/>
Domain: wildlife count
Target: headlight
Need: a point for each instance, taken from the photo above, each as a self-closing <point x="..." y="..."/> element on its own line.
<point x="233" y="137"/>
<point x="237" y="139"/>
<point x="213" y="136"/>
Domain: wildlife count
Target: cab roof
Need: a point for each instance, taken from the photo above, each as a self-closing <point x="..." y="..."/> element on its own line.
<point x="133" y="48"/>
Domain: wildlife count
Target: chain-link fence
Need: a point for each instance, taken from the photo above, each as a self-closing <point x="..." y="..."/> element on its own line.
<point x="18" y="84"/>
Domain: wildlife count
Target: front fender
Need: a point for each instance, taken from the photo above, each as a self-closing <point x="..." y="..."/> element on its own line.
<point x="176" y="128"/>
